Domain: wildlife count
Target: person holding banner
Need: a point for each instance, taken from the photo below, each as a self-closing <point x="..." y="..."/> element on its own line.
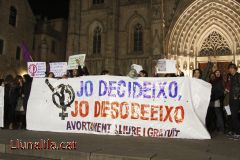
<point x="234" y="98"/>
<point x="81" y="71"/>
<point x="205" y="74"/>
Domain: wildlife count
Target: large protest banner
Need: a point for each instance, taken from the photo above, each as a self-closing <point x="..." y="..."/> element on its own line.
<point x="110" y="105"/>
<point x="1" y="105"/>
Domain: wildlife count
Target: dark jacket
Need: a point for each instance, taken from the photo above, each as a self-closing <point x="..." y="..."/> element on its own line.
<point x="26" y="92"/>
<point x="217" y="89"/>
<point x="14" y="95"/>
<point x="235" y="86"/>
<point x="83" y="71"/>
<point x="6" y="95"/>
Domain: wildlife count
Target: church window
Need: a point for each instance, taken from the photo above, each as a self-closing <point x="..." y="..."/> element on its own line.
<point x="13" y="16"/>
<point x="214" y="45"/>
<point x="138" y="38"/>
<point x="97" y="40"/>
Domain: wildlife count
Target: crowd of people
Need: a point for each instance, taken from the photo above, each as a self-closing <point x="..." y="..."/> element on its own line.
<point x="16" y="94"/>
<point x="225" y="93"/>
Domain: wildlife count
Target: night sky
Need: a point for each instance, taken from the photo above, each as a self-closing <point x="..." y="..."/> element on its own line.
<point x="50" y="8"/>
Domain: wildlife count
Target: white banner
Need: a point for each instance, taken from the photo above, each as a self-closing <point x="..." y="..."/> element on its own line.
<point x="1" y="106"/>
<point x="75" y="60"/>
<point x="166" y="66"/>
<point x="37" y="69"/>
<point x="111" y="105"/>
<point x="58" y="68"/>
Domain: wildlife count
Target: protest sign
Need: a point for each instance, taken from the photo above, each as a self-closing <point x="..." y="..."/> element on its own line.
<point x="166" y="66"/>
<point x="58" y="68"/>
<point x="148" y="107"/>
<point x="138" y="68"/>
<point x="72" y="61"/>
<point x="1" y="106"/>
<point x="37" y="69"/>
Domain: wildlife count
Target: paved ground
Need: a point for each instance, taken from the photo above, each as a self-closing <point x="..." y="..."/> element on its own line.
<point x="16" y="157"/>
<point x="95" y="147"/>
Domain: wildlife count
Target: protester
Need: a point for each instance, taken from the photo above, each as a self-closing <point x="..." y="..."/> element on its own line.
<point x="105" y="72"/>
<point x="13" y="99"/>
<point x="1" y="82"/>
<point x="197" y="73"/>
<point x="82" y="70"/>
<point x="27" y="84"/>
<point x="217" y="99"/>
<point x="234" y="98"/>
<point x="65" y="76"/>
<point x="211" y="117"/>
<point x="132" y="73"/>
<point x="219" y="78"/>
<point x="50" y="75"/>
<point x="7" y="106"/>
<point x="19" y="107"/>
<point x="75" y="73"/>
<point x="181" y="74"/>
<point x="207" y="71"/>
<point x="143" y="73"/>
<point x="226" y="84"/>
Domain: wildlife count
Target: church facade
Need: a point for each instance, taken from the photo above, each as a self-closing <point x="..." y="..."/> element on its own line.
<point x="16" y="25"/>
<point x="117" y="33"/>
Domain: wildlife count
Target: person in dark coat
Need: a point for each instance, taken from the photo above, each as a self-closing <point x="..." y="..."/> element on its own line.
<point x="215" y="118"/>
<point x="27" y="84"/>
<point x="105" y="72"/>
<point x="19" y="108"/>
<point x="13" y="100"/>
<point x="217" y="100"/>
<point x="210" y="117"/>
<point x="81" y="71"/>
<point x="234" y="98"/>
<point x="7" y="86"/>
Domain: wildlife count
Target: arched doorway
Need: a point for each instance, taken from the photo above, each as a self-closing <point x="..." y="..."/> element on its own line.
<point x="206" y="28"/>
<point x="216" y="46"/>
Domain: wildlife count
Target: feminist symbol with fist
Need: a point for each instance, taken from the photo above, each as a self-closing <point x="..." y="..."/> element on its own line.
<point x="63" y="96"/>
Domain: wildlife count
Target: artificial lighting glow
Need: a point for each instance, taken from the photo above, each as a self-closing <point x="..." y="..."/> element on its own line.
<point x="23" y="72"/>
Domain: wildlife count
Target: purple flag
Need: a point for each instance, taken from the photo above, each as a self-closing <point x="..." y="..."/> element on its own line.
<point x="25" y="53"/>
